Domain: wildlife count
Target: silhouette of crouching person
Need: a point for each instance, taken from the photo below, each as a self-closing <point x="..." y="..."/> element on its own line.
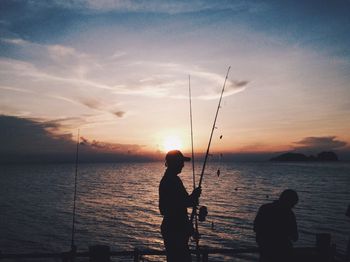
<point x="176" y="228"/>
<point x="275" y="227"/>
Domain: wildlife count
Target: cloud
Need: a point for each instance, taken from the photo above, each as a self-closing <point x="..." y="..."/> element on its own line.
<point x="165" y="79"/>
<point x="99" y="105"/>
<point x="60" y="51"/>
<point x="231" y="88"/>
<point x="253" y="147"/>
<point x="4" y="22"/>
<point x="52" y="63"/>
<point x="240" y="83"/>
<point x="56" y="126"/>
<point x="91" y="103"/>
<point x="318" y="144"/>
<point x="28" y="136"/>
<point x="65" y="99"/>
<point x="235" y="86"/>
<point x="58" y="65"/>
<point x="15" y="41"/>
<point x="111" y="147"/>
<point x="119" y="113"/>
<point x="149" y="6"/>
<point x="15" y="89"/>
<point x="27" y="139"/>
<point x="59" y="72"/>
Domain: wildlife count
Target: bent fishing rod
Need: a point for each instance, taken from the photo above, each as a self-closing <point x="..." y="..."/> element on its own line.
<point x="193" y="172"/>
<point x="194" y="209"/>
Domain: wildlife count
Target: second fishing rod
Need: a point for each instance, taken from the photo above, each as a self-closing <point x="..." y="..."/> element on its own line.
<point x="194" y="209"/>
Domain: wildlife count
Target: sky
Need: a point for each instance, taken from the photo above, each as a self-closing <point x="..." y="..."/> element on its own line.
<point x="119" y="72"/>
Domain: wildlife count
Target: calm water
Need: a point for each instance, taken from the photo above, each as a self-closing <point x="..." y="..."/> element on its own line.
<point x="117" y="204"/>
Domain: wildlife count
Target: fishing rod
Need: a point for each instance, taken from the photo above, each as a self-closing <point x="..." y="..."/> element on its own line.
<point x="193" y="172"/>
<point x="194" y="210"/>
<point x="73" y="247"/>
<point x="190" y="98"/>
<point x="212" y="130"/>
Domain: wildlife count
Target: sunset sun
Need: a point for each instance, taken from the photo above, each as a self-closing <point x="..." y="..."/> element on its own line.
<point x="172" y="142"/>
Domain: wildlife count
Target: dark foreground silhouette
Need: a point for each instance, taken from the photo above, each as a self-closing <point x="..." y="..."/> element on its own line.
<point x="176" y="228"/>
<point x="275" y="226"/>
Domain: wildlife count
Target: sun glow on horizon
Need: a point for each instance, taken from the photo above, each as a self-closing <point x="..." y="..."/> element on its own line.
<point x="172" y="142"/>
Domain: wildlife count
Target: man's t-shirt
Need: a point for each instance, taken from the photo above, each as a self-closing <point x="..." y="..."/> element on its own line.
<point x="275" y="225"/>
<point x="173" y="203"/>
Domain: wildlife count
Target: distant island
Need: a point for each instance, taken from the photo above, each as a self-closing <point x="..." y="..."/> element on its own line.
<point x="322" y="157"/>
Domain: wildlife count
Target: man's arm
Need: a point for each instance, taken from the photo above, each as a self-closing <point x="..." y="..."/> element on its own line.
<point x="293" y="233"/>
<point x="257" y="221"/>
<point x="194" y="197"/>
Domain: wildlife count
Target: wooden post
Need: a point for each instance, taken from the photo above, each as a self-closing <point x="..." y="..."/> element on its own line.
<point x="70" y="255"/>
<point x="205" y="255"/>
<point x="324" y="248"/>
<point x="99" y="253"/>
<point x="136" y="255"/>
<point x="348" y="251"/>
<point x="348" y="247"/>
<point x="198" y="255"/>
<point x="66" y="257"/>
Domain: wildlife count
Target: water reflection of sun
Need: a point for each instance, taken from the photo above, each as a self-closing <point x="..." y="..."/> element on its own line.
<point x="172" y="142"/>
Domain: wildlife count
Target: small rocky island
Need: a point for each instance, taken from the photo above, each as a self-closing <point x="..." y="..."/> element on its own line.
<point x="321" y="157"/>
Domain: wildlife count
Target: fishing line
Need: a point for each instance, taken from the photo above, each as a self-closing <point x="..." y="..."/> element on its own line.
<point x="190" y="98"/>
<point x="73" y="247"/>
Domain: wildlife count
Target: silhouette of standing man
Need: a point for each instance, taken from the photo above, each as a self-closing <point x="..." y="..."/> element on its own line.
<point x="176" y="228"/>
<point x="275" y="226"/>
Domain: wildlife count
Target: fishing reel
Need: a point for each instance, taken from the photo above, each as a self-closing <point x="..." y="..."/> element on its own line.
<point x="202" y="214"/>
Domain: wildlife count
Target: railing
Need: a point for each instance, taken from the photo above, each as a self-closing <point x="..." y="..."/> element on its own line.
<point x="102" y="253"/>
<point x="324" y="251"/>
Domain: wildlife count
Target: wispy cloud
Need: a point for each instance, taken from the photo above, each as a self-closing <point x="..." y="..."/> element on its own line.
<point x="65" y="99"/>
<point x="166" y="79"/>
<point x="65" y="65"/>
<point x="118" y="55"/>
<point x="231" y="88"/>
<point x="154" y="6"/>
<point x="4" y="22"/>
<point x="58" y="72"/>
<point x="240" y="83"/>
<point x="15" y="41"/>
<point x="119" y="113"/>
<point x="96" y="104"/>
<point x="56" y="126"/>
<point x="52" y="62"/>
<point x="111" y="147"/>
<point x="91" y="103"/>
<point x="15" y="89"/>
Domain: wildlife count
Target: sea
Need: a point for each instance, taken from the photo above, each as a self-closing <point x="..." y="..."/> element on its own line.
<point x="117" y="204"/>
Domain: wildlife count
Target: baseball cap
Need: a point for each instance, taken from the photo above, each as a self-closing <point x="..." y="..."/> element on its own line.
<point x="175" y="156"/>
